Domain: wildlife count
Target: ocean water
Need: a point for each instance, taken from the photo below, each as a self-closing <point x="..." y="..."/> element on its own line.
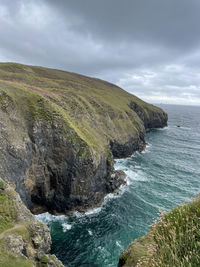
<point x="166" y="174"/>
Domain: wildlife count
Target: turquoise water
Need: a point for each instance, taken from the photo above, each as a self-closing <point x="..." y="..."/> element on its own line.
<point x="164" y="175"/>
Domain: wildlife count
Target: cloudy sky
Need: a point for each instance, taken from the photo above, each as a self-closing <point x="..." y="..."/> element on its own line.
<point x="150" y="48"/>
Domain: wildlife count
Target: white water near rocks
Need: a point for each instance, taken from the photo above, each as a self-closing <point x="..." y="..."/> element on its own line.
<point x="166" y="174"/>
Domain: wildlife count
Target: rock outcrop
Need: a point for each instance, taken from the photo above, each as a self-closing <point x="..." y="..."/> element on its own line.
<point x="23" y="240"/>
<point x="59" y="133"/>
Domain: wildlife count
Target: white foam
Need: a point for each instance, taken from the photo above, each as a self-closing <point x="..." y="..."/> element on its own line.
<point x="78" y="214"/>
<point x="162" y="129"/>
<point x="147" y="148"/>
<point x="107" y="198"/>
<point x="133" y="176"/>
<point x="122" y="189"/>
<point x="96" y="210"/>
<point x="47" y="218"/>
<point x="87" y="213"/>
<point x="148" y="145"/>
<point x="121" y="163"/>
<point x="119" y="244"/>
<point x="66" y="227"/>
<point x="90" y="232"/>
<point x="93" y="211"/>
<point x="137" y="167"/>
<point x="184" y="128"/>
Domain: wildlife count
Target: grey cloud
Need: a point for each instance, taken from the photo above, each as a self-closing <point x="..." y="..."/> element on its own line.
<point x="150" y="48"/>
<point x="169" y="22"/>
<point x="167" y="84"/>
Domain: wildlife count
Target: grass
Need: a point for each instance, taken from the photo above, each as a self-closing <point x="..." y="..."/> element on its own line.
<point x="43" y="262"/>
<point x="173" y="241"/>
<point x="9" y="260"/>
<point x="11" y="225"/>
<point x="2" y="185"/>
<point x="8" y="217"/>
<point x="177" y="236"/>
<point x="5" y="100"/>
<point x="137" y="251"/>
<point x="19" y="229"/>
<point x="81" y="152"/>
<point x="93" y="110"/>
<point x="8" y="211"/>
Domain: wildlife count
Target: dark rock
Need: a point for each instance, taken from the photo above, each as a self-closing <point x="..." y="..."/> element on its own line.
<point x="23" y="237"/>
<point x="151" y="117"/>
<point x="57" y="146"/>
<point x="128" y="148"/>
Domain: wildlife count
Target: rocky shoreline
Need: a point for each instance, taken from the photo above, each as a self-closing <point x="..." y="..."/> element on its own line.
<point x="22" y="238"/>
<point x="60" y="133"/>
<point x="57" y="147"/>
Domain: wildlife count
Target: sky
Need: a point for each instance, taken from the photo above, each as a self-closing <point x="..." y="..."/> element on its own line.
<point x="150" y="48"/>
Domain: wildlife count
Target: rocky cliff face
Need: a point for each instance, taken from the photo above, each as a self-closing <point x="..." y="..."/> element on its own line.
<point x="150" y="117"/>
<point x="23" y="240"/>
<point x="59" y="132"/>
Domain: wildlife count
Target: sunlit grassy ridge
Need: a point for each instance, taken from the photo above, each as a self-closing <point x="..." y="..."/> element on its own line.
<point x="173" y="241"/>
<point x="95" y="111"/>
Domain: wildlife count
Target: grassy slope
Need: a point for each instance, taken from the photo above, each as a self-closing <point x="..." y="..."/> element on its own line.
<point x="93" y="112"/>
<point x="97" y="111"/>
<point x="8" y="218"/>
<point x="173" y="241"/>
<point x="13" y="224"/>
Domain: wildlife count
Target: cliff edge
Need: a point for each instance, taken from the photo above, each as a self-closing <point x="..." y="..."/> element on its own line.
<point x="172" y="241"/>
<point x="59" y="133"/>
<point x="24" y="241"/>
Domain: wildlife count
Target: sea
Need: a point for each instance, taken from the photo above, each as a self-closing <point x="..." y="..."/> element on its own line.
<point x="164" y="175"/>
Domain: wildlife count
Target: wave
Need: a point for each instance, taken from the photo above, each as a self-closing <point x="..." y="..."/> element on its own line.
<point x="47" y="218"/>
<point x="107" y="198"/>
<point x="133" y="176"/>
<point x="66" y="227"/>
<point x="78" y="214"/>
<point x="119" y="244"/>
<point x="147" y="148"/>
<point x="163" y="129"/>
<point x="90" y="232"/>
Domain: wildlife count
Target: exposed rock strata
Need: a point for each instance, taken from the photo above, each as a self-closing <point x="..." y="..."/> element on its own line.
<point x="150" y="117"/>
<point x="23" y="240"/>
<point x="59" y="132"/>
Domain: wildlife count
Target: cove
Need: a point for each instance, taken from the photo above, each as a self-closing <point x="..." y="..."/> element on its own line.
<point x="163" y="176"/>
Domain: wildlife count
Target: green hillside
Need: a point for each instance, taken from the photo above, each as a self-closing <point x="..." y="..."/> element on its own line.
<point x="60" y="131"/>
<point x="95" y="109"/>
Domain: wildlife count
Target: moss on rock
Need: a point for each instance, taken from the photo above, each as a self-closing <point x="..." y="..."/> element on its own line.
<point x="22" y="239"/>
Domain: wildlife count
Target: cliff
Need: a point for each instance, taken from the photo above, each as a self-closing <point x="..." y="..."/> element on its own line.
<point x="59" y="133"/>
<point x="23" y="241"/>
<point x="172" y="241"/>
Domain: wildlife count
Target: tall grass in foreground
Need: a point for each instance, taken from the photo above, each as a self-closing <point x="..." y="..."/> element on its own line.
<point x="176" y="238"/>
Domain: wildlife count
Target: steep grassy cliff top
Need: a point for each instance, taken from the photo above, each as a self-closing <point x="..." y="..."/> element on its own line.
<point x="59" y="132"/>
<point x="97" y="111"/>
<point x="173" y="241"/>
